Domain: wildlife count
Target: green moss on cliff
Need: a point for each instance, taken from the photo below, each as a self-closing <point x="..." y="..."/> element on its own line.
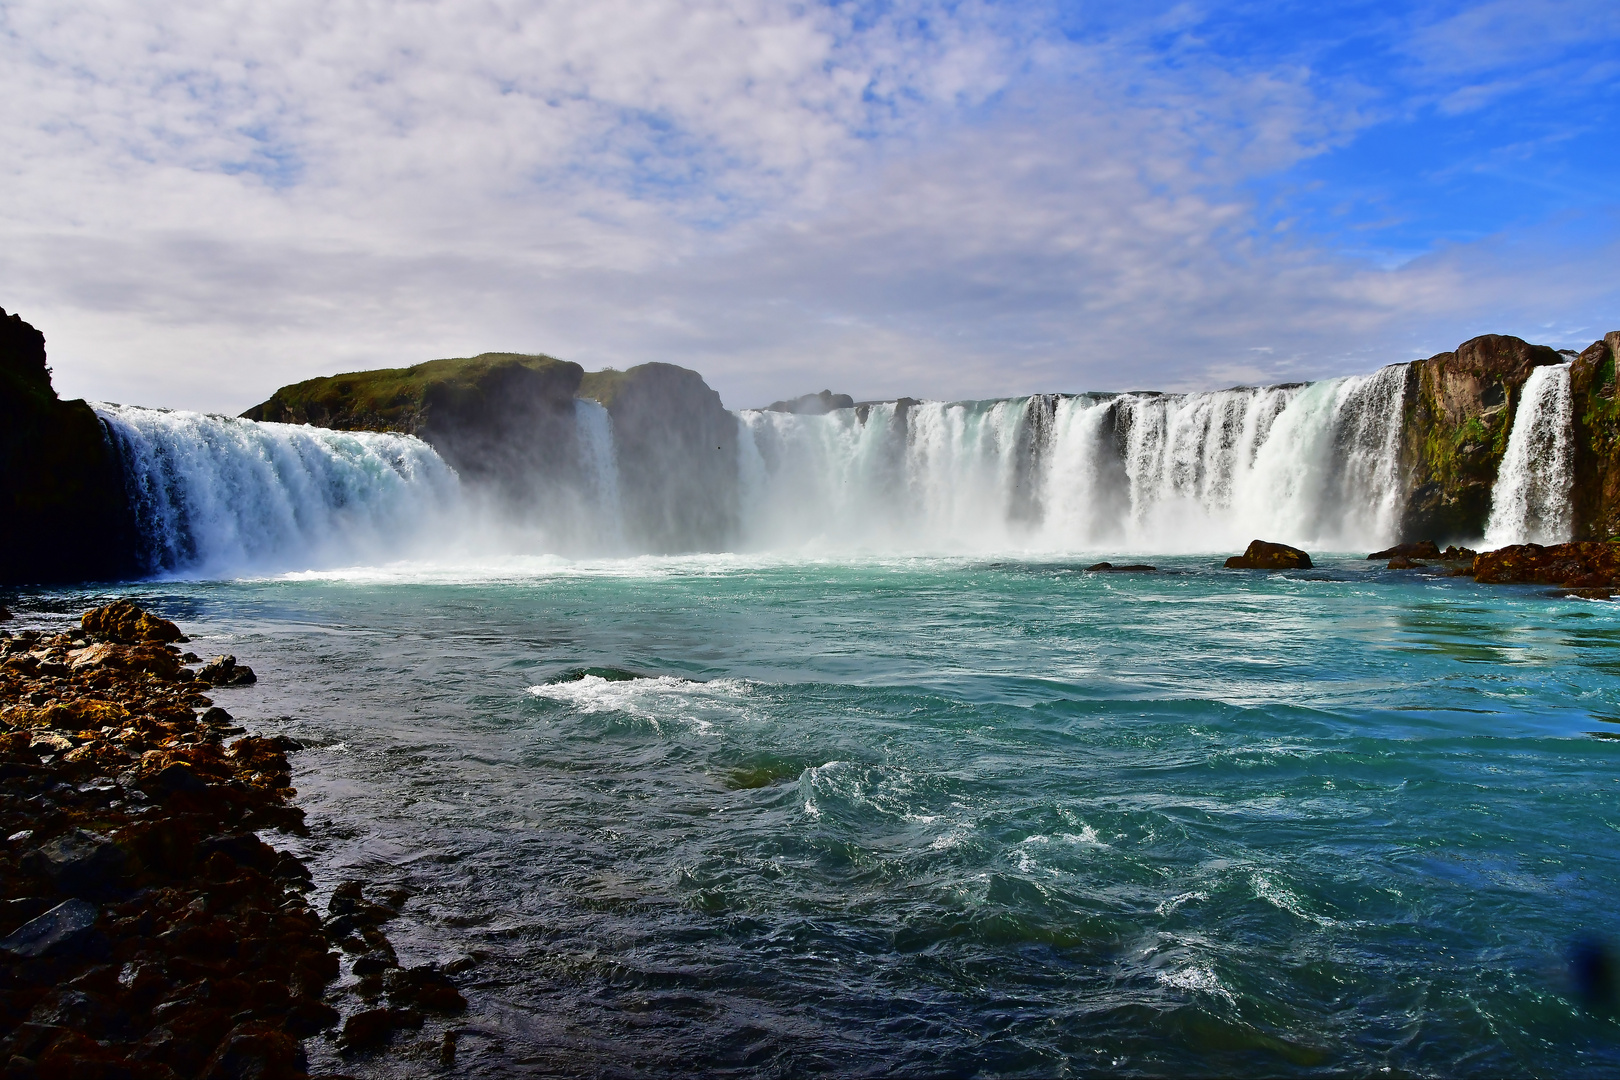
<point x="1459" y="414"/>
<point x="1597" y="441"/>
<point x="401" y="399"/>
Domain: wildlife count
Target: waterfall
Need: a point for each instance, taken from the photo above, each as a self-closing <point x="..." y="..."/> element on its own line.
<point x="1312" y="464"/>
<point x="595" y="430"/>
<point x="218" y="495"/>
<point x="1530" y="503"/>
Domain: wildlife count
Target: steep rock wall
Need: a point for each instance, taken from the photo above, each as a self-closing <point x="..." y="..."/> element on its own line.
<point x="1597" y="440"/>
<point x="677" y="457"/>
<point x="499" y="419"/>
<point x="64" y="516"/>
<point x="1460" y="408"/>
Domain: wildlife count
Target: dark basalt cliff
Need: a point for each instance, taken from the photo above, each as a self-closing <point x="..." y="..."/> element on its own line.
<point x="1459" y="410"/>
<point x="508" y="421"/>
<point x="677" y="447"/>
<point x="502" y="419"/>
<point x="1597" y="440"/>
<point x="64" y="516"/>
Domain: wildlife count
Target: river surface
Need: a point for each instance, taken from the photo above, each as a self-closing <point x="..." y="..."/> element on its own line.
<point x="910" y="817"/>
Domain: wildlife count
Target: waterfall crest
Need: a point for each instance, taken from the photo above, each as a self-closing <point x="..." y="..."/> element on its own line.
<point x="1318" y="465"/>
<point x="217" y="495"/>
<point x="1315" y="464"/>
<point x="1530" y="503"/>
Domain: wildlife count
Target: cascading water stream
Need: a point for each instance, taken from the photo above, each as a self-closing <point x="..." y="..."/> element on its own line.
<point x="217" y="495"/>
<point x="1530" y="503"/>
<point x="1311" y="464"/>
<point x="1314" y="464"/>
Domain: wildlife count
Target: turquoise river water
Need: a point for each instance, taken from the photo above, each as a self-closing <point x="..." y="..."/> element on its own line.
<point x="946" y="816"/>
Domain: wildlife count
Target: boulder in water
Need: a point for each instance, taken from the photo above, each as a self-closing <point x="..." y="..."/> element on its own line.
<point x="1110" y="568"/>
<point x="1265" y="555"/>
<point x="1423" y="549"/>
<point x="1402" y="562"/>
<point x="1579" y="565"/>
<point x="225" y="671"/>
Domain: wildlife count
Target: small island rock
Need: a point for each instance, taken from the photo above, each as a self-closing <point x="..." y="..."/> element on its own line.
<point x="1264" y="555"/>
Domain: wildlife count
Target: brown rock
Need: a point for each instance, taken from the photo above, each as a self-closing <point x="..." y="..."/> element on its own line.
<point x="1579" y="565"/>
<point x="369" y="1028"/>
<point x="1264" y="555"/>
<point x="1423" y="549"/>
<point x="257" y="1051"/>
<point x="123" y="621"/>
<point x="1401" y="562"/>
<point x="225" y="671"/>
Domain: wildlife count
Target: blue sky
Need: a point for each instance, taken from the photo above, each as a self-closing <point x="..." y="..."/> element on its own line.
<point x="205" y="201"/>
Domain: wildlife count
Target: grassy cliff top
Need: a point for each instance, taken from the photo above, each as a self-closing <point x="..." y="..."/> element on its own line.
<point x="395" y="398"/>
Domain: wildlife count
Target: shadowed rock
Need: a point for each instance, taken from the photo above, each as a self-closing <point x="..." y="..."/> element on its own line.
<point x="58" y="930"/>
<point x="1579" y="565"/>
<point x="813" y="404"/>
<point x="1264" y="555"/>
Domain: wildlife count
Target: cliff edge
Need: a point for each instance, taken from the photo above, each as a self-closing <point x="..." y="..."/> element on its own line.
<point x="64" y="515"/>
<point x="496" y="418"/>
<point x="1459" y="410"/>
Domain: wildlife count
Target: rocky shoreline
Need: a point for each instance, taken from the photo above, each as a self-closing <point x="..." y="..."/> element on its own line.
<point x="146" y="930"/>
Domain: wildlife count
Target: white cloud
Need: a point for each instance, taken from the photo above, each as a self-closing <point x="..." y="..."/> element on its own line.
<point x="206" y="201"/>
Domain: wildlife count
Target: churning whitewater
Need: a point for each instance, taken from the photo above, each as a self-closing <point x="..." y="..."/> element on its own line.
<point x="1316" y="464"/>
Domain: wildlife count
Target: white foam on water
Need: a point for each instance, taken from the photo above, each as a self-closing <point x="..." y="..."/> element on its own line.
<point x="657" y="700"/>
<point x="1196" y="979"/>
<point x="1281" y="898"/>
<point x="1168" y="907"/>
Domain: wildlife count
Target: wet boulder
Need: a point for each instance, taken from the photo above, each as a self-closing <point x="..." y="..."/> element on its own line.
<point x="126" y="623"/>
<point x="1422" y="549"/>
<point x="225" y="671"/>
<point x="1580" y="565"/>
<point x="1264" y="555"/>
<point x="63" y="928"/>
<point x="80" y="863"/>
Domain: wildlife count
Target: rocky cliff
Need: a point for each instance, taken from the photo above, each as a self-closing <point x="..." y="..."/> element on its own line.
<point x="64" y="516"/>
<point x="677" y="456"/>
<point x="508" y="421"/>
<point x="1597" y="440"/>
<point x="1459" y="410"/>
<point x="500" y="419"/>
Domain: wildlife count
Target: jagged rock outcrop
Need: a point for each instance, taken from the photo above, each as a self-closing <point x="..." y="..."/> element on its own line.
<point x="64" y="515"/>
<point x="1577" y="565"/>
<point x="677" y="457"/>
<point x="813" y="404"/>
<point x="510" y="422"/>
<point x="1597" y="440"/>
<point x="1459" y="410"/>
<point x="503" y="419"/>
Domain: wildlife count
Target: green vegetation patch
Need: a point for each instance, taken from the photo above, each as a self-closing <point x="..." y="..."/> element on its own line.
<point x="394" y="399"/>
